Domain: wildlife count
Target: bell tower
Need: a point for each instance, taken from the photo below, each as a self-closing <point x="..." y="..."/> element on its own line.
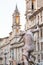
<point x="16" y="21"/>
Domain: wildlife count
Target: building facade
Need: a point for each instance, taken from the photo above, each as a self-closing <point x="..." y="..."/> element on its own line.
<point x="11" y="47"/>
<point x="34" y="21"/>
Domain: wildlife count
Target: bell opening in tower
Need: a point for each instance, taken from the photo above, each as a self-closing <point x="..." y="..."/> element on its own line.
<point x="17" y="19"/>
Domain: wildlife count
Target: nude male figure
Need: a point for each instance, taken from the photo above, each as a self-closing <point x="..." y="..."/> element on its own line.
<point x="28" y="47"/>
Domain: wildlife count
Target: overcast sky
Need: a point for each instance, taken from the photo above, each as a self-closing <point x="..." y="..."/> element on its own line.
<point x="7" y="8"/>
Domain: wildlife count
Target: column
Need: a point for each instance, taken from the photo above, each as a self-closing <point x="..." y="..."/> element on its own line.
<point x="40" y="42"/>
<point x="42" y="31"/>
<point x="42" y="15"/>
<point x="40" y="38"/>
<point x="18" y="55"/>
<point x="15" y="55"/>
<point x="36" y="41"/>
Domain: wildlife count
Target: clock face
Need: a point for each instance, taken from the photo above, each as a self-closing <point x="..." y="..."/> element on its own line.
<point x="17" y="30"/>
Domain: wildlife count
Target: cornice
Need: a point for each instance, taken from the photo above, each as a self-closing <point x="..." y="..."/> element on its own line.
<point x="17" y="45"/>
<point x="36" y="12"/>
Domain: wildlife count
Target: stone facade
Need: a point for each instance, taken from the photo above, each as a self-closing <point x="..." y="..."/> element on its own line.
<point x="11" y="47"/>
<point x="37" y="20"/>
<point x="34" y="20"/>
<point x="4" y="50"/>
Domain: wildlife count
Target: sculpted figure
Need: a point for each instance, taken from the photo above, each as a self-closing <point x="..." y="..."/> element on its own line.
<point x="28" y="47"/>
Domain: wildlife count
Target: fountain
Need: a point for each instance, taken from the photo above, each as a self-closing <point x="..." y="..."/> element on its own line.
<point x="28" y="58"/>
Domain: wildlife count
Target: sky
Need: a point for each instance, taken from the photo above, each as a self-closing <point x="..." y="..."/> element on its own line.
<point x="7" y="8"/>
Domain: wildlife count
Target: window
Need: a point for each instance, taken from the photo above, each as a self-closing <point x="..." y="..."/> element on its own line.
<point x="17" y="20"/>
<point x="41" y="32"/>
<point x="12" y="52"/>
<point x="17" y="30"/>
<point x="42" y="56"/>
<point x="42" y="46"/>
<point x="38" y="19"/>
<point x="41" y="16"/>
<point x="38" y="58"/>
<point x="33" y="4"/>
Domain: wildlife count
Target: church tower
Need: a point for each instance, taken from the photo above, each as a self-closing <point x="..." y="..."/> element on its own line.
<point x="16" y="21"/>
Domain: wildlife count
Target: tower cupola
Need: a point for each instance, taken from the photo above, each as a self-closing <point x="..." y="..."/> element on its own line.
<point x="16" y="20"/>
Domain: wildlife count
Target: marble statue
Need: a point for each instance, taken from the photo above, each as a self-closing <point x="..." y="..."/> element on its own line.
<point x="28" y="48"/>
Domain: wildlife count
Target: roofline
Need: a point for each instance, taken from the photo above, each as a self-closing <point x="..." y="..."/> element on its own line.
<point x="3" y="38"/>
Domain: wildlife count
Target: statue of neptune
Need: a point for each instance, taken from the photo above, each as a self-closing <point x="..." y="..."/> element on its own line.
<point x="28" y="48"/>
